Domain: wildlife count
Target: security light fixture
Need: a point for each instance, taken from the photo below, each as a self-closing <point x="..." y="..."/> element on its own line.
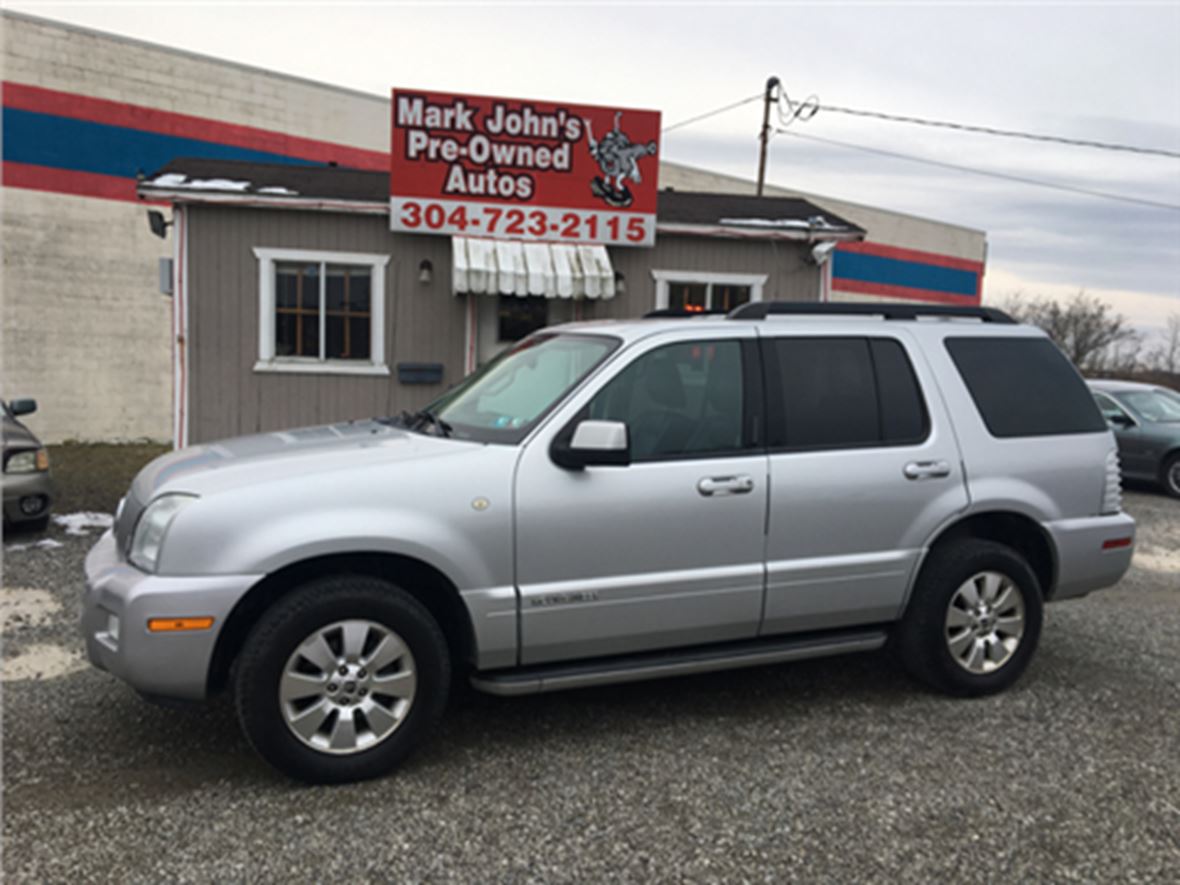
<point x="157" y="223"/>
<point x="425" y="272"/>
<point x="620" y="283"/>
<point x="823" y="251"/>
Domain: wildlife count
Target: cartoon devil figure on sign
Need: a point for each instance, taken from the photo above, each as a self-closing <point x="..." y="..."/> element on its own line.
<point x="618" y="159"/>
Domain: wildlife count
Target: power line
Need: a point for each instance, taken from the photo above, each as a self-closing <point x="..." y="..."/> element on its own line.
<point x="713" y="113"/>
<point x="796" y="107"/>
<point x="985" y="172"/>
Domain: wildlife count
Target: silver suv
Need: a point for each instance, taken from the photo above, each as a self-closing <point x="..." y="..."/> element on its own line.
<point x="616" y="501"/>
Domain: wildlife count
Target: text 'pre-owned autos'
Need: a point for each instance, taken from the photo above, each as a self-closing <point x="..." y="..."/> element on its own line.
<point x="617" y="501"/>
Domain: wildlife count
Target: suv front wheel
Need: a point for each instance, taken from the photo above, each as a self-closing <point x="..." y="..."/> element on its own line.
<point x="974" y="619"/>
<point x="341" y="679"/>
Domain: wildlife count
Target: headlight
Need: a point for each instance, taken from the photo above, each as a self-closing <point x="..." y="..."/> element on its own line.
<point x="149" y="531"/>
<point x="32" y="461"/>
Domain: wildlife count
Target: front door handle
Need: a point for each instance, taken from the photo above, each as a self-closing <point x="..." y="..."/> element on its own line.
<point x="725" y="485"/>
<point x="926" y="469"/>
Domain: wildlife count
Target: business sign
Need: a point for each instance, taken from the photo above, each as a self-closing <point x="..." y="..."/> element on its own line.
<point x="516" y="169"/>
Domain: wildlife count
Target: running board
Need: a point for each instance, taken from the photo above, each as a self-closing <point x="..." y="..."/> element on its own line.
<point x="635" y="668"/>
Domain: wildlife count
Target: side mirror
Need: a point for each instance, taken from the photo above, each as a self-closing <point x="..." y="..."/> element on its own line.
<point x="593" y="444"/>
<point x="1121" y="421"/>
<point x="22" y="406"/>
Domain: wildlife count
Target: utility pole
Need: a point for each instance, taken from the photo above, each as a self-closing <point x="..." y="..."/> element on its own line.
<point x="770" y="97"/>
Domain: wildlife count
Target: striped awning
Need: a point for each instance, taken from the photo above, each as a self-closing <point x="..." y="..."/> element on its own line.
<point x="510" y="267"/>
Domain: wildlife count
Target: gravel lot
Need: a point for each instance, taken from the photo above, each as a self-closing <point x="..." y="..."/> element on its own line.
<point x="837" y="769"/>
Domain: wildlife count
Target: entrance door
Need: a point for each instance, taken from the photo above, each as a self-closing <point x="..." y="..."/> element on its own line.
<point x="668" y="550"/>
<point x="505" y="319"/>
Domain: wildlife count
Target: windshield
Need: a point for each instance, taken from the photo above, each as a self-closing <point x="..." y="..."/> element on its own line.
<point x="503" y="400"/>
<point x="1153" y="405"/>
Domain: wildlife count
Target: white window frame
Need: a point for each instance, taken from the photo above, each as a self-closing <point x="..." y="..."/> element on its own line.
<point x="268" y="362"/>
<point x="756" y="282"/>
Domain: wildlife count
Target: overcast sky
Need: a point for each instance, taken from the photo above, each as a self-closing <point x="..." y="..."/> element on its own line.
<point x="1101" y="72"/>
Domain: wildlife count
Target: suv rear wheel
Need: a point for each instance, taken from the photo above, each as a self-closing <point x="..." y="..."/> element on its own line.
<point x="974" y="619"/>
<point x="341" y="679"/>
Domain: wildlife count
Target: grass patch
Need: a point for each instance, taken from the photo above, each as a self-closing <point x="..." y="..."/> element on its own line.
<point x="94" y="476"/>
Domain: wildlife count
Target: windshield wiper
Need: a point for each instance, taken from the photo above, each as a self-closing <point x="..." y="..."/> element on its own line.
<point x="426" y="416"/>
<point x="414" y="420"/>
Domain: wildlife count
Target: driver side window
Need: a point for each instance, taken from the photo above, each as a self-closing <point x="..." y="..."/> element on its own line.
<point x="678" y="401"/>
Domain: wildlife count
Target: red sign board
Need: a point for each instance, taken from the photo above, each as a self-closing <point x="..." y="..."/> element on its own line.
<point x="517" y="169"/>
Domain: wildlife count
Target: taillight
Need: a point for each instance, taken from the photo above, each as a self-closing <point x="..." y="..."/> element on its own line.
<point x="1112" y="489"/>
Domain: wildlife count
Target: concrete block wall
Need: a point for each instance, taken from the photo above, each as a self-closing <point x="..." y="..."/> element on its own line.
<point x="85" y="330"/>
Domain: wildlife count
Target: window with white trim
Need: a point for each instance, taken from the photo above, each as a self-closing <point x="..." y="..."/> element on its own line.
<point x="696" y="291"/>
<point x="321" y="312"/>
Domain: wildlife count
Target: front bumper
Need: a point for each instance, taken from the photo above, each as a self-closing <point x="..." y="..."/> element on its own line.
<point x="170" y="665"/>
<point x="18" y="487"/>
<point x="1083" y="562"/>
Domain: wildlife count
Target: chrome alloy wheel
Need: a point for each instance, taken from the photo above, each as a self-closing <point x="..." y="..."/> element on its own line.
<point x="347" y="687"/>
<point x="984" y="622"/>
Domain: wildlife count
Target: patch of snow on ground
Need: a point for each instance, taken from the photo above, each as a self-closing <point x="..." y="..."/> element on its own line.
<point x="42" y="662"/>
<point x="282" y="191"/>
<point x="44" y="543"/>
<point x="78" y="523"/>
<point x="26" y="607"/>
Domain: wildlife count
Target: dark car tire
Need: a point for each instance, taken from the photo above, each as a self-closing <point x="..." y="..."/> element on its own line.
<point x="939" y="654"/>
<point x="267" y="656"/>
<point x="40" y="524"/>
<point x="1170" y="475"/>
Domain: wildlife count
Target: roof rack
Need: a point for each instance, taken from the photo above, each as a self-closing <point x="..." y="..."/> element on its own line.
<point x="760" y="310"/>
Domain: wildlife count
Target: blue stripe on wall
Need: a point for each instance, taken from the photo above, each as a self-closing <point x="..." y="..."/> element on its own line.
<point x="894" y="272"/>
<point x="83" y="146"/>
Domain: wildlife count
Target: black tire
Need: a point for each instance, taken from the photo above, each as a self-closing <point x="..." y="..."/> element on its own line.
<point x="296" y="617"/>
<point x="1170" y="476"/>
<point x="921" y="637"/>
<point x="40" y="524"/>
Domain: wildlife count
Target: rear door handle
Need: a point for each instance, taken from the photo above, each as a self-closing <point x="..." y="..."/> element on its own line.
<point x="725" y="485"/>
<point x="926" y="469"/>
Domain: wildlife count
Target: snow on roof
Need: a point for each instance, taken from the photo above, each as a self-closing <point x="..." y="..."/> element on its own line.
<point x="815" y="222"/>
<point x="178" y="180"/>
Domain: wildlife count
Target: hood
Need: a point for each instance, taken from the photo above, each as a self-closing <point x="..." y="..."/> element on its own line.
<point x="265" y="457"/>
<point x="16" y="436"/>
<point x="246" y="461"/>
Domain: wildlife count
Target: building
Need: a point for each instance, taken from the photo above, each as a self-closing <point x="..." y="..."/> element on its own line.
<point x="86" y="329"/>
<point x="297" y="304"/>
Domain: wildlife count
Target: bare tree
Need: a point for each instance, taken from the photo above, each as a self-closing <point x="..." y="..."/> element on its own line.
<point x="1166" y="356"/>
<point x="1086" y="328"/>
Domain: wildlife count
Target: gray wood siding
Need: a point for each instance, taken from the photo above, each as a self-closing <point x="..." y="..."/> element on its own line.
<point x="790" y="277"/>
<point x="227" y="397"/>
<point x="423" y="323"/>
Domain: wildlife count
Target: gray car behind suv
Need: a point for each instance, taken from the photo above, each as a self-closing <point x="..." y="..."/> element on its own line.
<point x="615" y="501"/>
<point x="1145" y="419"/>
<point x="28" y="491"/>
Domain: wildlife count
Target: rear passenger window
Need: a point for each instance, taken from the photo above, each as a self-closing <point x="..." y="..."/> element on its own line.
<point x="842" y="393"/>
<point x="1024" y="387"/>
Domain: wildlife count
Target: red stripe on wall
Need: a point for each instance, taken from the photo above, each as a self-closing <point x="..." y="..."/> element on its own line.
<point x="913" y="255"/>
<point x="114" y="113"/>
<point x="905" y="292"/>
<point x="67" y="181"/>
<point x="78" y="184"/>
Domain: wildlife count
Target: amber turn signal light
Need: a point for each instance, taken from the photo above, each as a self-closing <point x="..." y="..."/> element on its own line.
<point x="178" y="625"/>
